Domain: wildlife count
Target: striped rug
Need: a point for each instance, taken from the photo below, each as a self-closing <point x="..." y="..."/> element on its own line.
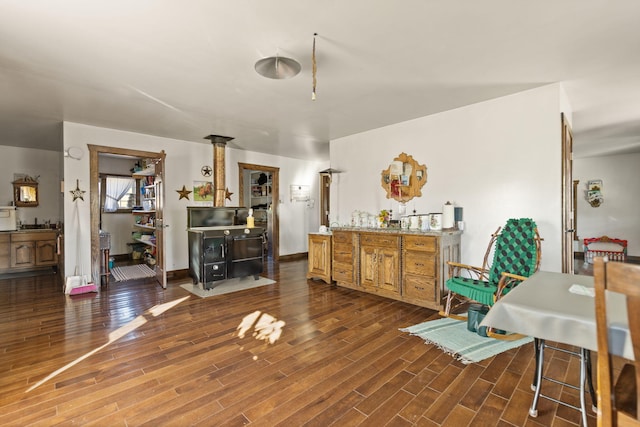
<point x="131" y="272"/>
<point x="452" y="337"/>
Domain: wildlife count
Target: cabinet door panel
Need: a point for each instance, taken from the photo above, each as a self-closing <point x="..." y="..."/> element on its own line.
<point x="46" y="252"/>
<point x="317" y="251"/>
<point x="388" y="269"/>
<point x="5" y="251"/>
<point x="23" y="254"/>
<point x="367" y="266"/>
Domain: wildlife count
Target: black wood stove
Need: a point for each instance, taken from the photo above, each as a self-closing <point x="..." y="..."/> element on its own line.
<point x="219" y="252"/>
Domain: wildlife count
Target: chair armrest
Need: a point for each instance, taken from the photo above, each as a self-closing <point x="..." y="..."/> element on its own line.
<point x="508" y="280"/>
<point x="455" y="268"/>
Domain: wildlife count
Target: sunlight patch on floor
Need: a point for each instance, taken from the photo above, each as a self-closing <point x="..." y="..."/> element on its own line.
<point x="265" y="326"/>
<point x="114" y="336"/>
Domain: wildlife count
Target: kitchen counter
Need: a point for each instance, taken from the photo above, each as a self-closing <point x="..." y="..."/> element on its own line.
<point x="28" y="249"/>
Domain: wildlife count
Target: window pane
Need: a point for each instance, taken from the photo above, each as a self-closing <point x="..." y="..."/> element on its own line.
<point x="119" y="193"/>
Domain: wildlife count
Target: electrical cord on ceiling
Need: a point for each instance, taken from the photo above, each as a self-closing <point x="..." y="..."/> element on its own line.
<point x="315" y="68"/>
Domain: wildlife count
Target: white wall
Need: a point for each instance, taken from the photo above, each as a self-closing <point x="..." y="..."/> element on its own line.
<point x="497" y="159"/>
<point x="619" y="215"/>
<point x="44" y="164"/>
<point x="184" y="160"/>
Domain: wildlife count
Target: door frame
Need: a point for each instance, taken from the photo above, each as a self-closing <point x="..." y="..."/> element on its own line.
<point x="325" y="198"/>
<point x="94" y="199"/>
<point x="568" y="188"/>
<point x="275" y="199"/>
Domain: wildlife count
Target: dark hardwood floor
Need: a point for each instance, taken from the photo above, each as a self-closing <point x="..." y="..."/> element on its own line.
<point x="107" y="359"/>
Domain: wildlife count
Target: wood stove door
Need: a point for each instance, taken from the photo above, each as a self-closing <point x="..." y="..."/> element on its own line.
<point x="245" y="256"/>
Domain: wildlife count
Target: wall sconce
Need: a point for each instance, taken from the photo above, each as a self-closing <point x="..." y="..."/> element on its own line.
<point x="594" y="192"/>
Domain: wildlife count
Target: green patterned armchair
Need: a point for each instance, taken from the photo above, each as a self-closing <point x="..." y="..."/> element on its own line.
<point x="516" y="256"/>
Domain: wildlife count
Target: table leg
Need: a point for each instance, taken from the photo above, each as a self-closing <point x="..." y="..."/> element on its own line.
<point x="585" y="379"/>
<point x="537" y="384"/>
<point x="583" y="373"/>
<point x="592" y="393"/>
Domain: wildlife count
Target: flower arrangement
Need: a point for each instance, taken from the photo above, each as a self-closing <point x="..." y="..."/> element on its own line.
<point x="383" y="218"/>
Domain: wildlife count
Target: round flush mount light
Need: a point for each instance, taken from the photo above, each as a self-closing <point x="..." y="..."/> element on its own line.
<point x="278" y="67"/>
<point x="74" y="153"/>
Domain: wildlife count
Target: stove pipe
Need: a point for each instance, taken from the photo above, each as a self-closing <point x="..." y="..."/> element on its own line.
<point x="219" y="186"/>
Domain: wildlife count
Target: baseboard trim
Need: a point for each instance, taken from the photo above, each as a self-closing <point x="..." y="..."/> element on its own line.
<point x="294" y="257"/>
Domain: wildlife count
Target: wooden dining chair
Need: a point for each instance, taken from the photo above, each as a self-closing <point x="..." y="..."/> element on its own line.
<point x="618" y="399"/>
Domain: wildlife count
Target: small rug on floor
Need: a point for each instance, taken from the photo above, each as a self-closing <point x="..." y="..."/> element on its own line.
<point x="227" y="286"/>
<point x="453" y="337"/>
<point x="131" y="272"/>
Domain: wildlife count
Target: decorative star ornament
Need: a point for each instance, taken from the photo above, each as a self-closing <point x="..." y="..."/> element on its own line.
<point x="227" y="194"/>
<point x="77" y="193"/>
<point x="206" y="171"/>
<point x="184" y="193"/>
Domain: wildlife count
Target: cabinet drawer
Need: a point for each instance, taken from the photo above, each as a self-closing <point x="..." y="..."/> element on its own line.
<point x="342" y="237"/>
<point x="378" y="240"/>
<point x="32" y="237"/>
<point x="420" y="243"/>
<point x="343" y="257"/>
<point x="420" y="263"/>
<point x="419" y="287"/>
<point x="342" y="247"/>
<point x="342" y="272"/>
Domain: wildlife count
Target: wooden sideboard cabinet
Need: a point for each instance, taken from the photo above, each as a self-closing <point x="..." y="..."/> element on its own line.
<point x="400" y="264"/>
<point x="343" y="266"/>
<point x="319" y="263"/>
<point x="28" y="250"/>
<point x="380" y="263"/>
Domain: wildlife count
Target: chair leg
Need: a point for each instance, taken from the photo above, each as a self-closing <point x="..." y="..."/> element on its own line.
<point x="447" y="309"/>
<point x="504" y="337"/>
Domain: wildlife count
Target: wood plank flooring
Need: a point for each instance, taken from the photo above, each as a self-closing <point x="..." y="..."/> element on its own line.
<point x="106" y="359"/>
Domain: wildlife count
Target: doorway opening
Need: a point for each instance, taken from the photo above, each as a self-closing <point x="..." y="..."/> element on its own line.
<point x="325" y="194"/>
<point x="259" y="190"/>
<point x="150" y="186"/>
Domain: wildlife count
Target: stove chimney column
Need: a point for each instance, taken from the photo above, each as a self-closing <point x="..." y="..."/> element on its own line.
<point x="219" y="186"/>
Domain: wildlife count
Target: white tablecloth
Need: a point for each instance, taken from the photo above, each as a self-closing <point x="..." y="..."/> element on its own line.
<point x="543" y="307"/>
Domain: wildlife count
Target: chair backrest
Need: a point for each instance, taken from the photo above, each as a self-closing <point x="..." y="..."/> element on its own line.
<point x="624" y="279"/>
<point x="517" y="249"/>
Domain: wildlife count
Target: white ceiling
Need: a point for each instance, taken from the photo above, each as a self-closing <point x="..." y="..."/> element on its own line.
<point x="185" y="69"/>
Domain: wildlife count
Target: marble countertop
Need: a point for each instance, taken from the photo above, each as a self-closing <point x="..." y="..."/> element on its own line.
<point x="396" y="231"/>
<point x="32" y="230"/>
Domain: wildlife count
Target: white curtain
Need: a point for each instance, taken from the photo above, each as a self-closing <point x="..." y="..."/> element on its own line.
<point x="116" y="188"/>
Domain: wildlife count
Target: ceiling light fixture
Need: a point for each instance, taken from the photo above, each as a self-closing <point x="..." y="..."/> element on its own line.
<point x="278" y="67"/>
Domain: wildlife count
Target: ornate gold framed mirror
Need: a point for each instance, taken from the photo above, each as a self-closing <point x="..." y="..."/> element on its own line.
<point x="25" y="192"/>
<point x="404" y="178"/>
